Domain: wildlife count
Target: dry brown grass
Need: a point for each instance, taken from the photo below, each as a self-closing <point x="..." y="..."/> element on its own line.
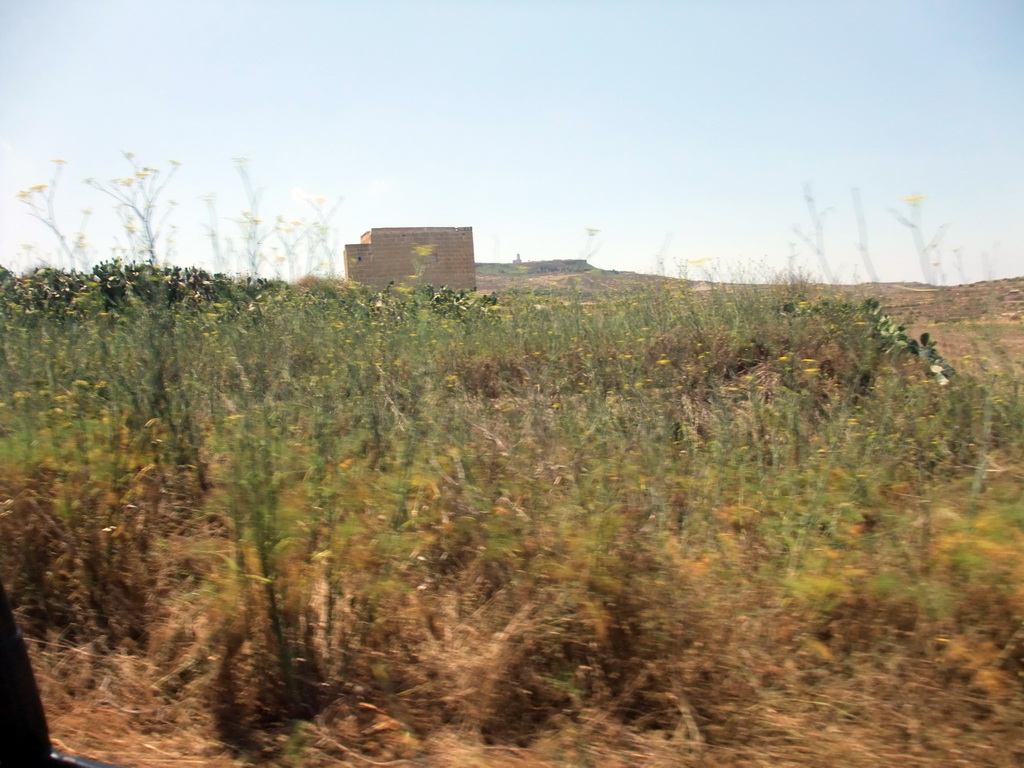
<point x="763" y="686"/>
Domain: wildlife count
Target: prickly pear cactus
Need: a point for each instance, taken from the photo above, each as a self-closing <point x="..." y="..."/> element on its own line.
<point x="893" y="336"/>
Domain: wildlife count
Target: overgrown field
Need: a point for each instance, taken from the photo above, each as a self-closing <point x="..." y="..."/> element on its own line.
<point x="746" y="525"/>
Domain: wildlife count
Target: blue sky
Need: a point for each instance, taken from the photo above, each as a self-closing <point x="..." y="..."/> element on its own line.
<point x="689" y="128"/>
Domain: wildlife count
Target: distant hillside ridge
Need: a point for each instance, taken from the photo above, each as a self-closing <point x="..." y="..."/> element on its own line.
<point x="550" y="267"/>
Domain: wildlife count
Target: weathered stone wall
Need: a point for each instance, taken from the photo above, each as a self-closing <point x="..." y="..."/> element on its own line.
<point x="413" y="255"/>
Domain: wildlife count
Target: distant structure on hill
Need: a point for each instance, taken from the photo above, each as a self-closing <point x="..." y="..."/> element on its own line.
<point x="533" y="268"/>
<point x="438" y="256"/>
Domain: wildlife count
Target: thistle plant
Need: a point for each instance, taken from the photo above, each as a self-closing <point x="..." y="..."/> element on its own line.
<point x="308" y="246"/>
<point x="254" y="230"/>
<point x="927" y="252"/>
<point x="422" y="256"/>
<point x="41" y="201"/>
<point x="137" y="197"/>
<point x="862" y="242"/>
<point x="591" y="243"/>
<point x="817" y="243"/>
